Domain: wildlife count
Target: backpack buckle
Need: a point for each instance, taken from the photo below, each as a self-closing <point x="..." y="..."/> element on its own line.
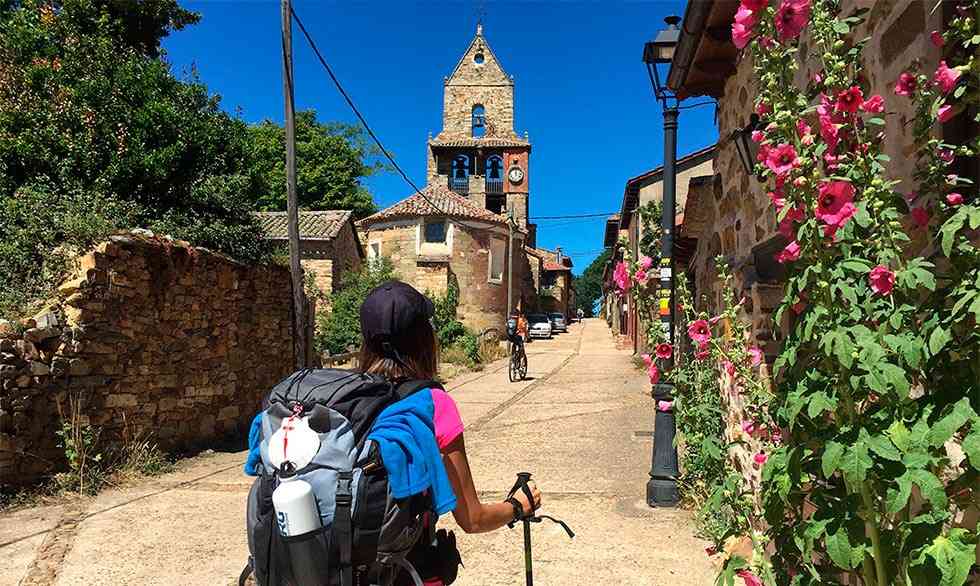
<point x="345" y="483"/>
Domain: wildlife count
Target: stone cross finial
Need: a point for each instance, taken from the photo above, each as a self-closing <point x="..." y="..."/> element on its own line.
<point x="479" y="28"/>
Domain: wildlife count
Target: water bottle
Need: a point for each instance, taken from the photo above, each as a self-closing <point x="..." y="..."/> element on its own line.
<point x="298" y="518"/>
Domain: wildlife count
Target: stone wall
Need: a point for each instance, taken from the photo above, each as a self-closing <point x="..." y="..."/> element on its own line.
<point x="154" y="337"/>
<point x="329" y="260"/>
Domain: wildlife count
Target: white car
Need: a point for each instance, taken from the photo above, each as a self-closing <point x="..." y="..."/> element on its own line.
<point x="539" y="325"/>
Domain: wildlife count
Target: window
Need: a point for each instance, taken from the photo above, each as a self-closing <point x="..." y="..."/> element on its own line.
<point x="498" y="249"/>
<point x="494" y="179"/>
<point x="374" y="251"/>
<point x="459" y="175"/>
<point x="479" y="58"/>
<point x="479" y="121"/>
<point x="435" y="232"/>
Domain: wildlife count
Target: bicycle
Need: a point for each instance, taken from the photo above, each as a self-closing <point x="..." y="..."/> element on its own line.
<point x="517" y="370"/>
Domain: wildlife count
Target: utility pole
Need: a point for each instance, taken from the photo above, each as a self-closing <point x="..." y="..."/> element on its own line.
<point x="292" y="212"/>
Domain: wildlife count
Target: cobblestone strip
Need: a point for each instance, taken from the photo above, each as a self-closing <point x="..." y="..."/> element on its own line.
<point x="49" y="558"/>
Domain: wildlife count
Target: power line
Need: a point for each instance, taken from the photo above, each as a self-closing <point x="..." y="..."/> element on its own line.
<point x="573" y="216"/>
<point x="357" y="112"/>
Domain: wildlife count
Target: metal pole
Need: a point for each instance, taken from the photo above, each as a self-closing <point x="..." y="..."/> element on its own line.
<point x="292" y="211"/>
<point x="510" y="261"/>
<point x="662" y="487"/>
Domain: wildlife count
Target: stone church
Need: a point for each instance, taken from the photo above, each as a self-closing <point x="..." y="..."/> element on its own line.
<point x="477" y="176"/>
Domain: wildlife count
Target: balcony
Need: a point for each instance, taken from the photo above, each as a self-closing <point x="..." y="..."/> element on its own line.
<point x="460" y="185"/>
<point x="494" y="186"/>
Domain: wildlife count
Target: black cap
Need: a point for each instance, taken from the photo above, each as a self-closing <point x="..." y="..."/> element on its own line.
<point x="391" y="308"/>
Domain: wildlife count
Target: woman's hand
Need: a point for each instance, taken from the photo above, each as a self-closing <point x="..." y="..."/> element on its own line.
<point x="522" y="498"/>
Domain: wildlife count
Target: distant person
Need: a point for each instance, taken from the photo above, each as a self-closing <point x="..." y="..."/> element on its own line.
<point x="580" y="314"/>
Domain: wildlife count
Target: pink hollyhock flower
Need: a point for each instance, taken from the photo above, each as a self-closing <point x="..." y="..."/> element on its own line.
<point x="714" y="320"/>
<point x="786" y="228"/>
<point x="641" y="277"/>
<point x="835" y="206"/>
<point x="749" y="578"/>
<point x="829" y="131"/>
<point x="790" y="253"/>
<point x="906" y="85"/>
<point x="850" y="100"/>
<point x="763" y="109"/>
<point x="699" y="332"/>
<point x="946" y="77"/>
<point x="802" y="128"/>
<point x="920" y="217"/>
<point x="798" y="307"/>
<point x="782" y="159"/>
<point x="910" y="196"/>
<point x="755" y="5"/>
<point x="745" y="20"/>
<point x="937" y="39"/>
<point x="767" y="42"/>
<point x="756" y="356"/>
<point x="882" y="280"/>
<point x="791" y="18"/>
<point x="729" y="367"/>
<point x="776" y="197"/>
<point x="665" y="406"/>
<point x="776" y="436"/>
<point x="647" y="359"/>
<point x="654" y="373"/>
<point x="621" y="276"/>
<point x="748" y="426"/>
<point x="711" y="550"/>
<point x="664" y="351"/>
<point x="831" y="161"/>
<point x="758" y="136"/>
<point x="796" y="214"/>
<point x="945" y="113"/>
<point x="703" y="351"/>
<point x="874" y="105"/>
<point x="946" y="155"/>
<point x="760" y="458"/>
<point x="646" y="262"/>
<point x="954" y="199"/>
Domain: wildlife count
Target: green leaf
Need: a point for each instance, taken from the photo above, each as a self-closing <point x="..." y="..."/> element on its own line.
<point x="895" y="376"/>
<point x="861" y="216"/>
<point x="949" y="230"/>
<point x="930" y="486"/>
<point x="938" y="339"/>
<point x="883" y="446"/>
<point x="971" y="447"/>
<point x="944" y="429"/>
<point x="830" y="460"/>
<point x="841" y="27"/>
<point x="900" y="435"/>
<point x="953" y="556"/>
<point x="896" y="498"/>
<point x="840" y="550"/>
<point x="855" y="464"/>
<point x="820" y="402"/>
<point x="857" y="265"/>
<point x="879" y="122"/>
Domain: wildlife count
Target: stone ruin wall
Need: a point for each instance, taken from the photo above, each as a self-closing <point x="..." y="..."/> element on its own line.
<point x="156" y="339"/>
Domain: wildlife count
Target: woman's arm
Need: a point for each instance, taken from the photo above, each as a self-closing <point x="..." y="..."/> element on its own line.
<point x="472" y="515"/>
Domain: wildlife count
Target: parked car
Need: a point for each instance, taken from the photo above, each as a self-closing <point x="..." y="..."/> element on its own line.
<point x="540" y="325"/>
<point x="558" y="322"/>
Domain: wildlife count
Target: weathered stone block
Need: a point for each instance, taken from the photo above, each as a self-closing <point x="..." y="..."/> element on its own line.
<point x="41" y="334"/>
<point x="39" y="368"/>
<point x="121" y="400"/>
<point x="230" y="412"/>
<point x="79" y="367"/>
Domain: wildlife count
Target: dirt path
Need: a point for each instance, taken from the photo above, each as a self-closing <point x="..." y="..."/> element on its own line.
<point x="580" y="423"/>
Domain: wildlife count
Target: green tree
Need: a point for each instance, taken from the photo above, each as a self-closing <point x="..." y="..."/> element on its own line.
<point x="331" y="161"/>
<point x="588" y="285"/>
<point x="96" y="134"/>
<point x="340" y="329"/>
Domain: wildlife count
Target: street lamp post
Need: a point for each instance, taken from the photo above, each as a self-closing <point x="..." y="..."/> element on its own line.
<point x="662" y="486"/>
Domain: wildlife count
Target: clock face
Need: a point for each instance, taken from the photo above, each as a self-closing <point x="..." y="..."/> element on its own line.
<point x="516" y="175"/>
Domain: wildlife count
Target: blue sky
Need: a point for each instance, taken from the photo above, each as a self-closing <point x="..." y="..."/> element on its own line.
<point x="582" y="92"/>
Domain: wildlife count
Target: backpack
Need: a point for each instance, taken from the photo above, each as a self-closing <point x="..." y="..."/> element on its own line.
<point x="366" y="534"/>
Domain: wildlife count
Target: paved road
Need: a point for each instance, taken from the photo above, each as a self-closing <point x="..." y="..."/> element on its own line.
<point x="581" y="424"/>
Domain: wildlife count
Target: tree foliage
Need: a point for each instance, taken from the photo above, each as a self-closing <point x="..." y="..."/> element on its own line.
<point x="331" y="161"/>
<point x="588" y="285"/>
<point x="340" y="329"/>
<point x="96" y="133"/>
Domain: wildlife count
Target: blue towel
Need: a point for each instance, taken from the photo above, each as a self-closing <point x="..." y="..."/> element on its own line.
<point x="254" y="460"/>
<point x="406" y="438"/>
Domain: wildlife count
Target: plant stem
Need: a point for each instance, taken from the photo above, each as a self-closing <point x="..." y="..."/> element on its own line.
<point x="871" y="525"/>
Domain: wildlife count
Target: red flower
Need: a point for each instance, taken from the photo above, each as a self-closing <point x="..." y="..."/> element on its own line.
<point x="760" y="459"/>
<point x="703" y="351"/>
<point x="758" y="136"/>
<point x="745" y="20"/>
<point x="802" y="128"/>
<point x="882" y="280"/>
<point x="874" y="105"/>
<point x="937" y="39"/>
<point x="835" y="205"/>
<point x="762" y="109"/>
<point x="946" y="77"/>
<point x="699" y="332"/>
<point x="829" y="132"/>
<point x="664" y="351"/>
<point x="850" y="100"/>
<point x="946" y="155"/>
<point x="782" y="159"/>
<point x="749" y="578"/>
<point x="954" y="199"/>
<point x="907" y="84"/>
<point x="790" y="253"/>
<point x="920" y="217"/>
<point x="791" y="18"/>
<point x="654" y="374"/>
<point x="755" y="5"/>
<point x="945" y="113"/>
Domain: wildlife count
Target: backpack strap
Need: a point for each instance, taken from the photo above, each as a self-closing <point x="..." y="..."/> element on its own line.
<point x="342" y="526"/>
<point x="408" y="388"/>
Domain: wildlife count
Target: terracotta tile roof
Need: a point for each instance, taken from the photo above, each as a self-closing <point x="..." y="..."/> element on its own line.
<point x="449" y="204"/>
<point x="484" y="141"/>
<point x="553" y="266"/>
<point x="319" y="225"/>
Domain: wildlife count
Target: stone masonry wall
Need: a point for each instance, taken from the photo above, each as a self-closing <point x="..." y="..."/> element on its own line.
<point x="153" y="337"/>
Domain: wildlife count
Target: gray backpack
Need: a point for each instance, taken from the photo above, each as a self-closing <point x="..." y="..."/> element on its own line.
<point x="367" y="535"/>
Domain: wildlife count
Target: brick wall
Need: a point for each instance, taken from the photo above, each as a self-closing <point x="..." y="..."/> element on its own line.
<point x="153" y="336"/>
